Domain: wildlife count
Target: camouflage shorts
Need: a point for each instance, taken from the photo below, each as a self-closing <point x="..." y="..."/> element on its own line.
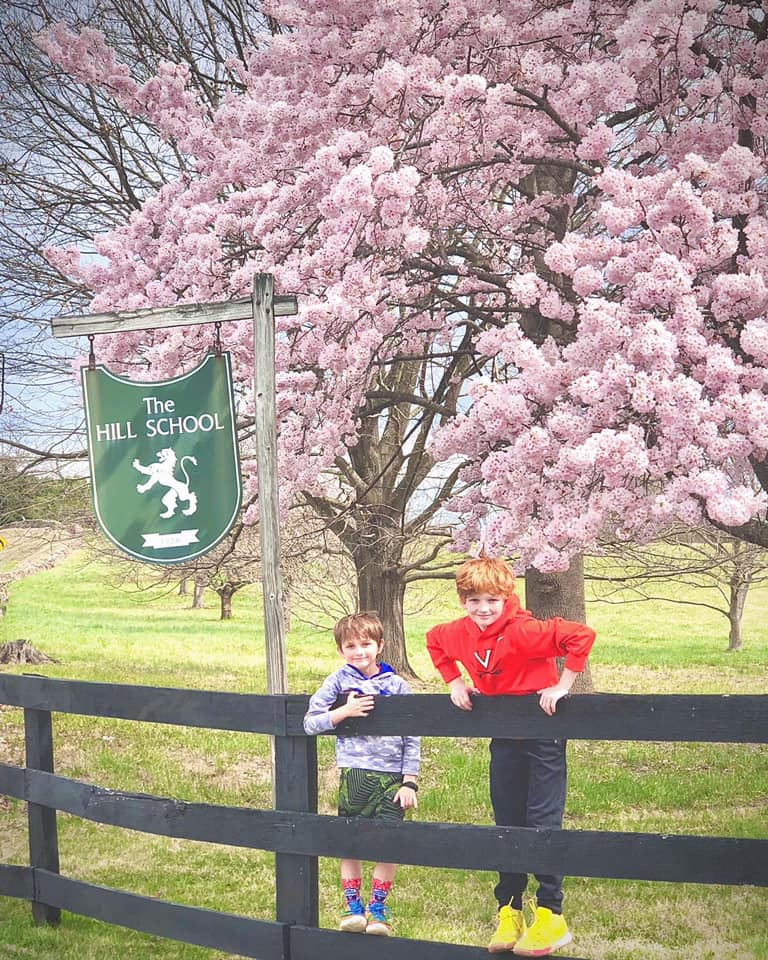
<point x="369" y="793"/>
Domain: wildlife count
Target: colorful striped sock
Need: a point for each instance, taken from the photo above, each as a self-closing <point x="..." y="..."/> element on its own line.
<point x="351" y="887"/>
<point x="380" y="890"/>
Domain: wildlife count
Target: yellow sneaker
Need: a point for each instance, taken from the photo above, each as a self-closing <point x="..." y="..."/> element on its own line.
<point x="511" y="927"/>
<point x="547" y="933"/>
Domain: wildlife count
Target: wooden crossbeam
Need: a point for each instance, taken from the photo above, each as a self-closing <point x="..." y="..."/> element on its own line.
<point x="184" y="315"/>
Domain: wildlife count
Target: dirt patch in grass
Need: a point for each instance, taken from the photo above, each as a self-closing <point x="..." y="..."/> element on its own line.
<point x="32" y="548"/>
<point x="235" y="775"/>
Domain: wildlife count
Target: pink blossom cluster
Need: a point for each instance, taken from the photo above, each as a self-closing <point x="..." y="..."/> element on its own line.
<point x="581" y="186"/>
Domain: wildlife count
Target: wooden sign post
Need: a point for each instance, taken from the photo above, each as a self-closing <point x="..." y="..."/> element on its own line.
<point x="262" y="308"/>
<point x="266" y="457"/>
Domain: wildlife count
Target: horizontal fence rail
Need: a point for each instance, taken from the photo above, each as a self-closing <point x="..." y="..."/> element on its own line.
<point x="233" y="933"/>
<point x="585" y="853"/>
<point x="16" y="882"/>
<point x="206" y="928"/>
<point x="705" y="718"/>
<point x="299" y="835"/>
<point x="240" y="712"/>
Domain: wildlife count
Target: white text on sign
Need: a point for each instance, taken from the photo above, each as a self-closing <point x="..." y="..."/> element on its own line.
<point x="159" y="426"/>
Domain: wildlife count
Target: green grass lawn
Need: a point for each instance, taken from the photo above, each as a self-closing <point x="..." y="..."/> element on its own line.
<point x="97" y="632"/>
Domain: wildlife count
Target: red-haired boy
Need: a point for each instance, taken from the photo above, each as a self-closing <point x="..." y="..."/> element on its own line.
<point x="506" y="650"/>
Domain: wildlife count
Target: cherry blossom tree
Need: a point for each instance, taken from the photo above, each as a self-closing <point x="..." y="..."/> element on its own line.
<point x="538" y="226"/>
<point x="652" y="407"/>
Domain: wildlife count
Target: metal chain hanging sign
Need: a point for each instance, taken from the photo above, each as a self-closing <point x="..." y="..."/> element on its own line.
<point x="165" y="471"/>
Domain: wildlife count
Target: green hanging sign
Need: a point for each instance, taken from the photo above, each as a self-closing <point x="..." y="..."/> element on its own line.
<point x="165" y="471"/>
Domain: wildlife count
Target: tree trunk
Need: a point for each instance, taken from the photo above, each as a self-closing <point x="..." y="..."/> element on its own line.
<point x="22" y="651"/>
<point x="380" y="587"/>
<point x="225" y="595"/>
<point x="560" y="595"/>
<point x="197" y="598"/>
<point x="737" y="598"/>
<point x="183" y="587"/>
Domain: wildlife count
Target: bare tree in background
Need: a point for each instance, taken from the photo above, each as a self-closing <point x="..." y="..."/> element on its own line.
<point x="226" y="569"/>
<point x="715" y="569"/>
<point x="232" y="565"/>
<point x="73" y="165"/>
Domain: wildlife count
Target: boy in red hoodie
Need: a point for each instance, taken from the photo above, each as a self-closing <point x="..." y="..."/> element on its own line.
<point x="505" y="650"/>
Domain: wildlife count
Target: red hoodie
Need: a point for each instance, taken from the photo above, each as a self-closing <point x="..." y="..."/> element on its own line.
<point x="515" y="654"/>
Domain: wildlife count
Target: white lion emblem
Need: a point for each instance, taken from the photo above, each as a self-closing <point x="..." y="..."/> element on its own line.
<point x="162" y="472"/>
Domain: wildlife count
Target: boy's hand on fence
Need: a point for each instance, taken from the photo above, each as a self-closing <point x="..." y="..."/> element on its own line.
<point x="358" y="704"/>
<point x="460" y="694"/>
<point x="548" y="698"/>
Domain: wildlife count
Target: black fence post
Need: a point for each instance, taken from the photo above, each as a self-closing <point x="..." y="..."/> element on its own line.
<point x="43" y="831"/>
<point x="296" y="789"/>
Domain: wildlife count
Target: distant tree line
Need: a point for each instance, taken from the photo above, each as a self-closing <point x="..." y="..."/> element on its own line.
<point x="27" y="497"/>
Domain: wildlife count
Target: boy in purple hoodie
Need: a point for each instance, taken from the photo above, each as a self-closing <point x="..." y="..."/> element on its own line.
<point x="378" y="774"/>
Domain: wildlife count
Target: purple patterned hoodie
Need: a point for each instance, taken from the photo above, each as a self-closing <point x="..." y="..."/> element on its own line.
<point x="386" y="754"/>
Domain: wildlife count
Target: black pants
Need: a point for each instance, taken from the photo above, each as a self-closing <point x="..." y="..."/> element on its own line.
<point x="528" y="783"/>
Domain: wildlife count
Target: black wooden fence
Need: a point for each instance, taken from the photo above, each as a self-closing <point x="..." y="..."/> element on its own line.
<point x="299" y="835"/>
